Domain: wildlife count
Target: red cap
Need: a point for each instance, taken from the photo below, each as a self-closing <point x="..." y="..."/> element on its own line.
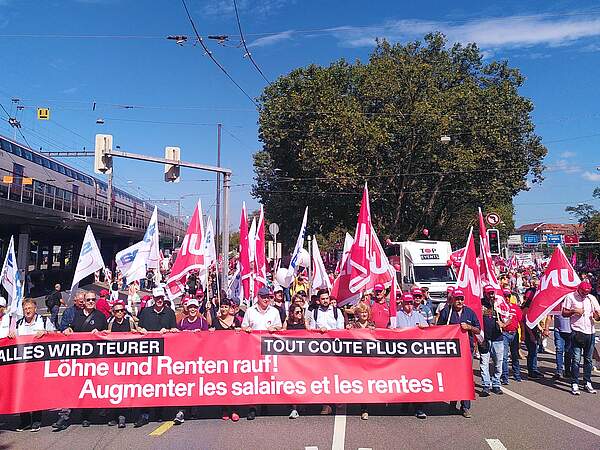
<point x="506" y="292"/>
<point x="199" y="292"/>
<point x="118" y="302"/>
<point x="379" y="287"/>
<point x="416" y="291"/>
<point x="104" y="293"/>
<point x="458" y="293"/>
<point x="585" y="286"/>
<point x="488" y="288"/>
<point x="146" y="297"/>
<point x="407" y="297"/>
<point x="450" y="289"/>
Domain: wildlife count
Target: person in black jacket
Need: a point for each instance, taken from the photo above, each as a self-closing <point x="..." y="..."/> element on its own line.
<point x="53" y="302"/>
<point x="86" y="320"/>
<point x="158" y="317"/>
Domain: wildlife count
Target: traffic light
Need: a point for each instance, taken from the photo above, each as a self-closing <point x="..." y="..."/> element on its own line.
<point x="172" y="170"/>
<point x="102" y="158"/>
<point x="494" y="241"/>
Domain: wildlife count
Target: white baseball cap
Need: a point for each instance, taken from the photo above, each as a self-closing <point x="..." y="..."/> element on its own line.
<point x="158" y="292"/>
<point x="2" y="302"/>
<point x="192" y="301"/>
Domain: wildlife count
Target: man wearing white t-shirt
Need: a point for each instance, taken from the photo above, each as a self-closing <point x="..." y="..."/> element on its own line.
<point x="261" y="317"/>
<point x="582" y="308"/>
<point x="31" y="324"/>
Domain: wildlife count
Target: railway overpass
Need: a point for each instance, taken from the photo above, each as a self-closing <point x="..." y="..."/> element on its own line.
<point x="49" y="230"/>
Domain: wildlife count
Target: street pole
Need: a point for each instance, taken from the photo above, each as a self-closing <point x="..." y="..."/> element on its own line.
<point x="218" y="202"/>
<point x="225" y="229"/>
<point x="109" y="193"/>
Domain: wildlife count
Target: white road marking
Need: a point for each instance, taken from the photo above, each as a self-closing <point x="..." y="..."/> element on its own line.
<point x="551" y="412"/>
<point x="365" y="448"/>
<point x="495" y="444"/>
<point x="312" y="447"/>
<point x="339" y="432"/>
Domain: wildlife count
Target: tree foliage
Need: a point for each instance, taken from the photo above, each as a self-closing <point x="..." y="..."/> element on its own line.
<point x="588" y="216"/>
<point x="327" y="130"/>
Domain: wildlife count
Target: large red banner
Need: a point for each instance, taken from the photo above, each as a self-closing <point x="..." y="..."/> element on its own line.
<point x="220" y="368"/>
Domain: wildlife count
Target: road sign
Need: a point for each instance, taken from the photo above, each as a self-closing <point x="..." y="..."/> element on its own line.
<point x="553" y="239"/>
<point x="43" y="113"/>
<point x="27" y="181"/>
<point x="273" y="229"/>
<point x="531" y="239"/>
<point x="571" y="239"/>
<point x="514" y="239"/>
<point x="492" y="219"/>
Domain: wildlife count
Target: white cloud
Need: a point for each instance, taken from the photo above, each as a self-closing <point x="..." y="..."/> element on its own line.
<point x="591" y="176"/>
<point x="562" y="165"/>
<point x="490" y="33"/>
<point x="256" y="7"/>
<point x="272" y="39"/>
<point x="567" y="155"/>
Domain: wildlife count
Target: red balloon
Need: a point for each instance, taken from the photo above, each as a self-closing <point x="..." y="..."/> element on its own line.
<point x="397" y="267"/>
<point x="425" y="231"/>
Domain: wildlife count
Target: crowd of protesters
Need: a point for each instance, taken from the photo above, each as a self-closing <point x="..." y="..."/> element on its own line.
<point x="498" y="343"/>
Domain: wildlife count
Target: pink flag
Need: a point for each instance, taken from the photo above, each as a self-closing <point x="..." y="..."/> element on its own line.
<point x="456" y="258"/>
<point x="558" y="280"/>
<point x="469" y="278"/>
<point x="340" y="290"/>
<point x="574" y="258"/>
<point x="260" y="260"/>
<point x="360" y="252"/>
<point x="245" y="269"/>
<point x="190" y="256"/>
<point x="488" y="272"/>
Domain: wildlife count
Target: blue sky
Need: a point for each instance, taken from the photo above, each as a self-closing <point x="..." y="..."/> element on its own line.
<point x="151" y="92"/>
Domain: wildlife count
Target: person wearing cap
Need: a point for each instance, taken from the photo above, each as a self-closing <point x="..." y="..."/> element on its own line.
<point x="510" y="335"/>
<point x="420" y="304"/>
<point x="409" y="317"/>
<point x="442" y="305"/>
<point x="158" y="317"/>
<point x="261" y="316"/>
<point x="380" y="310"/>
<point x="459" y="314"/>
<point x="103" y="305"/>
<point x="4" y="319"/>
<point x="581" y="307"/>
<point x="194" y="320"/>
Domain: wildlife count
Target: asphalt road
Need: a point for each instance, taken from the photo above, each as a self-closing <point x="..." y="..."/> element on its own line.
<point x="530" y="415"/>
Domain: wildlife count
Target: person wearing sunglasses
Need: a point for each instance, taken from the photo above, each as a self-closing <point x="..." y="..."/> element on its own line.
<point x="121" y="322"/>
<point x="296" y="320"/>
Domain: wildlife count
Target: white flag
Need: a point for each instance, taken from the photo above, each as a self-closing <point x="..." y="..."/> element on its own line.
<point x="299" y="245"/>
<point x="252" y="239"/>
<point x="146" y="255"/>
<point x="320" y="277"/>
<point x="11" y="280"/>
<point x="125" y="258"/>
<point x="89" y="260"/>
<point x="210" y="252"/>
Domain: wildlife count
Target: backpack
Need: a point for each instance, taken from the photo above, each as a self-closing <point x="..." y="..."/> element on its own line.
<point x="335" y="313"/>
<point x="20" y="321"/>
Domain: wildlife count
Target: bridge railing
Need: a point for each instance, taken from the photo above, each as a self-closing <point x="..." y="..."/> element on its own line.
<point x="48" y="196"/>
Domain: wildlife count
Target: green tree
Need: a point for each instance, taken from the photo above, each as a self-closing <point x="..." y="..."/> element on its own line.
<point x="327" y="130"/>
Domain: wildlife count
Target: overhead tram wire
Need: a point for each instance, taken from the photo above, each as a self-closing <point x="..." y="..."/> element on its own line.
<point x="210" y="55"/>
<point x="243" y="40"/>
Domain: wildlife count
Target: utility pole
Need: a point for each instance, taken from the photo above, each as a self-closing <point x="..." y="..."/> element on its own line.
<point x="109" y="194"/>
<point x="225" y="232"/>
<point x="218" y="202"/>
